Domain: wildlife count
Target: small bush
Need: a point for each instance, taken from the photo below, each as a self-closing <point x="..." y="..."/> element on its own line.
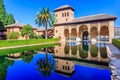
<point x="116" y="42"/>
<point x="13" y="35"/>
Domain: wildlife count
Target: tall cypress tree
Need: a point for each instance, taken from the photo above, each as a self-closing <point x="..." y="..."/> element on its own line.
<point x="10" y="19"/>
<point x="2" y="14"/>
<point x="5" y="19"/>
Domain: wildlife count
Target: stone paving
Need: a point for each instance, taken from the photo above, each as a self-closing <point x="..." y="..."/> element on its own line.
<point x="114" y="61"/>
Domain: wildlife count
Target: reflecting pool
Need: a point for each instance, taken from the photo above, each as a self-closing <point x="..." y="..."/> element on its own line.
<point x="65" y="61"/>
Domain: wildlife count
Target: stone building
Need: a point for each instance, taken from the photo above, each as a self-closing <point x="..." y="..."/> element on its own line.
<point x="99" y="27"/>
<point x="18" y="27"/>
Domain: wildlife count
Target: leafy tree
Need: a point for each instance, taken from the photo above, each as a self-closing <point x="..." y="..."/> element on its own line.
<point x="13" y="35"/>
<point x="27" y="56"/>
<point x="45" y="18"/>
<point x="27" y="30"/>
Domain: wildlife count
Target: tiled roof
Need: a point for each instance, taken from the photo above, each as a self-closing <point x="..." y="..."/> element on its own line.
<point x="63" y="7"/>
<point x="94" y="18"/>
<point x="15" y="25"/>
<point x="42" y="29"/>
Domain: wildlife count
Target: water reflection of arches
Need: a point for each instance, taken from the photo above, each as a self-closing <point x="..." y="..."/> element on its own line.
<point x="66" y="33"/>
<point x="66" y="49"/>
<point x="104" y="33"/>
<point x="74" y="50"/>
<point x="103" y="52"/>
<point x="83" y="51"/>
<point x="94" y="50"/>
<point x="85" y="46"/>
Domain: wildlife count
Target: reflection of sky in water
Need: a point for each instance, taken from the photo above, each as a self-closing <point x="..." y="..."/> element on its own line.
<point x="24" y="71"/>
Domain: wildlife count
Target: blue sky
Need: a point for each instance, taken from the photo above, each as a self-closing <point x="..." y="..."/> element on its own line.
<point x="24" y="11"/>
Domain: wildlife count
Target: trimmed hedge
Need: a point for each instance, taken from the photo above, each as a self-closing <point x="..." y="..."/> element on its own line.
<point x="116" y="42"/>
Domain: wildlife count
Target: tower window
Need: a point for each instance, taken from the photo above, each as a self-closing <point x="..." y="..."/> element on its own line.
<point x="66" y="19"/>
<point x="67" y="14"/>
<point x="62" y="14"/>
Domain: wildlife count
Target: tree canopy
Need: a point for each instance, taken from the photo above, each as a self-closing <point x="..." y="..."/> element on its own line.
<point x="27" y="30"/>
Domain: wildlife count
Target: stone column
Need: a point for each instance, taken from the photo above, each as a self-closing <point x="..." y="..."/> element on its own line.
<point x="70" y="32"/>
<point x="111" y="31"/>
<point x="89" y="32"/>
<point x="98" y="29"/>
<point x="77" y="31"/>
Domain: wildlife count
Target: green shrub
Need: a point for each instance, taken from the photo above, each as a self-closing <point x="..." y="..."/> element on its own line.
<point x="116" y="42"/>
<point x="13" y="35"/>
<point x="39" y="37"/>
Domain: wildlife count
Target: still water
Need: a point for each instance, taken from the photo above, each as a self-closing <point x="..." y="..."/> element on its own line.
<point x="66" y="61"/>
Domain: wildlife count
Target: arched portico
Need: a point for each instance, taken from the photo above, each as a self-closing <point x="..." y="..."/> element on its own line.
<point x="83" y="32"/>
<point x="104" y="33"/>
<point x="66" y="33"/>
<point x="93" y="33"/>
<point x="85" y="35"/>
<point x="73" y="34"/>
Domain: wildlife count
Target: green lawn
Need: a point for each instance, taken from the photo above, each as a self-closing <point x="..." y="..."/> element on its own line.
<point x="116" y="42"/>
<point x="22" y="49"/>
<point x="8" y="43"/>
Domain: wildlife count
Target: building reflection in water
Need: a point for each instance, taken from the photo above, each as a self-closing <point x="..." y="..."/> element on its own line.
<point x="86" y="51"/>
<point x="64" y="67"/>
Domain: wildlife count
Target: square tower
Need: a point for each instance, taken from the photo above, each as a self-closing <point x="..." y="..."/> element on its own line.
<point x="64" y="14"/>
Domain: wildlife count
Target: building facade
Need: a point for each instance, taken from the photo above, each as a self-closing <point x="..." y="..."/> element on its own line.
<point x="99" y="27"/>
<point x="18" y="27"/>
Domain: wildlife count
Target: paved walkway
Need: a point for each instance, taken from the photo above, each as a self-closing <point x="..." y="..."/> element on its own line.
<point x="114" y="61"/>
<point x="27" y="45"/>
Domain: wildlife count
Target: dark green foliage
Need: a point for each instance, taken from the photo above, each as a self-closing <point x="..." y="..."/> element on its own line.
<point x="5" y="19"/>
<point x="10" y="19"/>
<point x="116" y="42"/>
<point x="13" y="35"/>
<point x="3" y="67"/>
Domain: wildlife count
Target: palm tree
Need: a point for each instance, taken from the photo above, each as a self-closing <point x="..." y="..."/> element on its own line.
<point x="45" y="18"/>
<point x="46" y="66"/>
